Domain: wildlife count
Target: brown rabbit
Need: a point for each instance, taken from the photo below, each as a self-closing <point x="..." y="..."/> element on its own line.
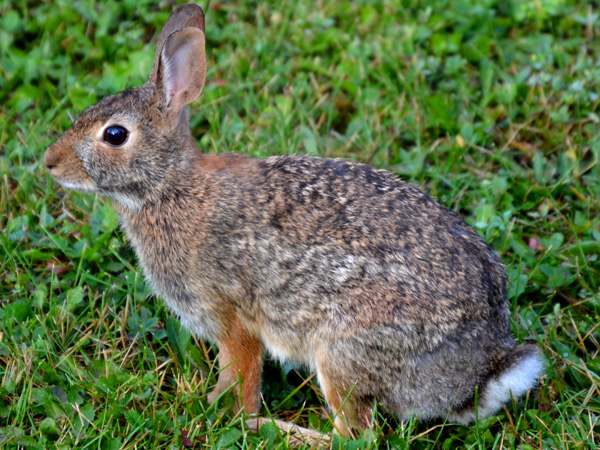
<point x="373" y="285"/>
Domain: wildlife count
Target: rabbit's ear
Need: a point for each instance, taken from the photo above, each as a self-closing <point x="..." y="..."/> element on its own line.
<point x="181" y="69"/>
<point x="188" y="15"/>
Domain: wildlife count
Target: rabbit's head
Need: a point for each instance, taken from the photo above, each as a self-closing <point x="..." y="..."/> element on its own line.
<point x="133" y="145"/>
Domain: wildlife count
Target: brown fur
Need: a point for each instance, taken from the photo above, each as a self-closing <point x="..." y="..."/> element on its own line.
<point x="388" y="296"/>
<point x="240" y="357"/>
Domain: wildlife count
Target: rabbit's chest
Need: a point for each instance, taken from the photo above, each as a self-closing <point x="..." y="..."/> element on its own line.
<point x="180" y="293"/>
<point x="166" y="261"/>
<point x="175" y="289"/>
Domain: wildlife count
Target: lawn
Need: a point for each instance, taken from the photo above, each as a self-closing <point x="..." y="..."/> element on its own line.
<point x="491" y="106"/>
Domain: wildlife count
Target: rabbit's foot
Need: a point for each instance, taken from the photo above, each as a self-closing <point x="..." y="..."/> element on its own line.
<point x="216" y="392"/>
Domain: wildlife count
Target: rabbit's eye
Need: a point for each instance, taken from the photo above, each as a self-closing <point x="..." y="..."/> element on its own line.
<point x="115" y="135"/>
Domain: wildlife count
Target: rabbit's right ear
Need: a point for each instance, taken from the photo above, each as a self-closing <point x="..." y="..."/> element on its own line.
<point x="188" y="15"/>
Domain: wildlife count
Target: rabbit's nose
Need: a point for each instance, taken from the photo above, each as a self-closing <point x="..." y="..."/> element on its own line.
<point x="50" y="159"/>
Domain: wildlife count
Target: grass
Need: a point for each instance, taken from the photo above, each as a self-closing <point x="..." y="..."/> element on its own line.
<point x="491" y="106"/>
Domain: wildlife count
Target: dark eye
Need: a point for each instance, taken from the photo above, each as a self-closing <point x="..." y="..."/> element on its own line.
<point x="115" y="135"/>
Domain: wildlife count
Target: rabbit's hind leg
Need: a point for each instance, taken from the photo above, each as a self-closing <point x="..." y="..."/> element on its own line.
<point x="350" y="409"/>
<point x="240" y="357"/>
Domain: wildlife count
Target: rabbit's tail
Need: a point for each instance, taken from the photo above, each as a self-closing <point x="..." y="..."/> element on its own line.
<point x="516" y="373"/>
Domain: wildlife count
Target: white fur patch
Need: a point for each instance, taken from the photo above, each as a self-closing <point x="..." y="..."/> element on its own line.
<point x="81" y="187"/>
<point x="514" y="382"/>
<point x="129" y="203"/>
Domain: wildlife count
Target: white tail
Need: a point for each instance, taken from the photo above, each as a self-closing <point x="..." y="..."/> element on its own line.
<point x="524" y="366"/>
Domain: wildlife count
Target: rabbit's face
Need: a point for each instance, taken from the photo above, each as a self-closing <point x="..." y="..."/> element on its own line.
<point x="114" y="148"/>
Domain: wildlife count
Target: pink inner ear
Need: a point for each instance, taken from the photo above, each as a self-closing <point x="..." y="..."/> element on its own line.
<point x="177" y="69"/>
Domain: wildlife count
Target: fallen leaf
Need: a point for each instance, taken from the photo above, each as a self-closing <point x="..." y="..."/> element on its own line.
<point x="534" y="244"/>
<point x="56" y="269"/>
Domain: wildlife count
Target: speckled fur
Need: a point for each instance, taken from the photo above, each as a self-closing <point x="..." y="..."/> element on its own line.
<point x="364" y="279"/>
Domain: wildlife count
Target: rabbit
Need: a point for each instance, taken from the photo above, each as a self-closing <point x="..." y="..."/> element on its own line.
<point x="373" y="285"/>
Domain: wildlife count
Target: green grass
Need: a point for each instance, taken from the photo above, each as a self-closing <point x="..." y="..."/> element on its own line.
<point x="491" y="106"/>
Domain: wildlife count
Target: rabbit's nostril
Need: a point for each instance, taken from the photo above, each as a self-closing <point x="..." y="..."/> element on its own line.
<point x="50" y="161"/>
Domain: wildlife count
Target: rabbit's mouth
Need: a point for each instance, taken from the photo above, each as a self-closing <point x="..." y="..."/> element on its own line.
<point x="79" y="185"/>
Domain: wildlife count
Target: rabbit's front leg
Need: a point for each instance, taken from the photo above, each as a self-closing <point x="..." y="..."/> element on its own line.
<point x="240" y="357"/>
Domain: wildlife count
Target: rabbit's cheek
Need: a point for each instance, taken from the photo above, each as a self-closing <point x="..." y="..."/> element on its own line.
<point x="102" y="165"/>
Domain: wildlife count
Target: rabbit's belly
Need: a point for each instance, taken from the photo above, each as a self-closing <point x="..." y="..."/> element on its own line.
<point x="288" y="347"/>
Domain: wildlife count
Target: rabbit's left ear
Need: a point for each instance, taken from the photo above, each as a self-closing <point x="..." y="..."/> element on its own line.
<point x="181" y="69"/>
<point x="188" y="15"/>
